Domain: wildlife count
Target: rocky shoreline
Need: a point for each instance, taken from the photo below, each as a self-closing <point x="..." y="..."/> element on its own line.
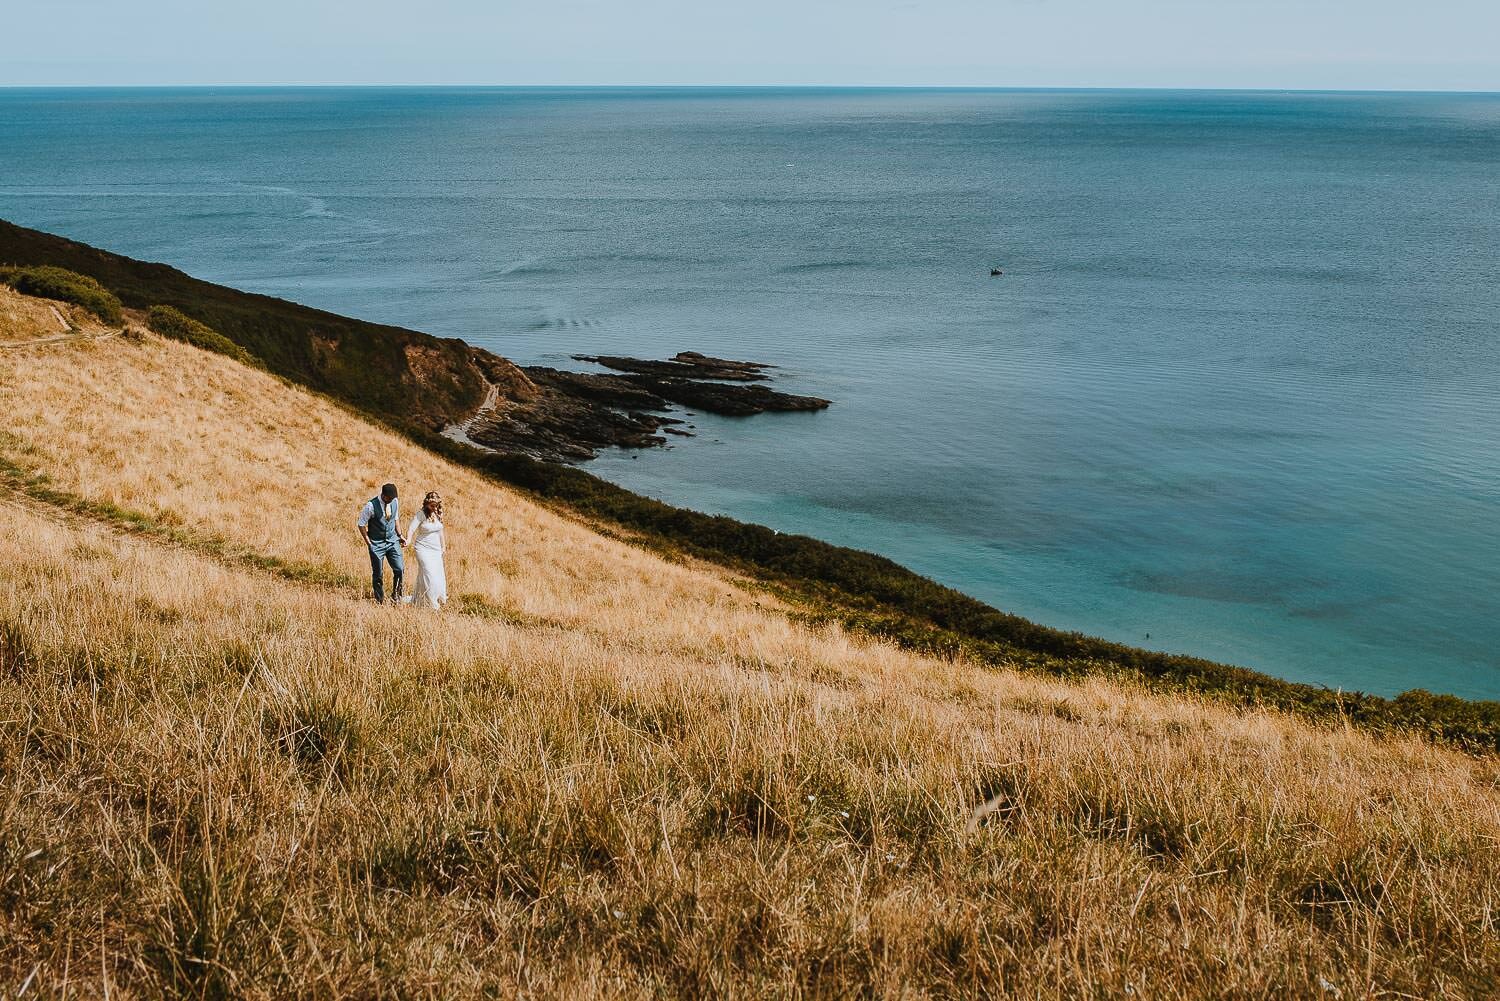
<point x="562" y="416"/>
<point x="685" y="364"/>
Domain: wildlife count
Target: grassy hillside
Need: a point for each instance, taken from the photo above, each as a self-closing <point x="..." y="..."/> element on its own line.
<point x="384" y="371"/>
<point x="876" y="596"/>
<point x="25" y="318"/>
<point x="607" y="774"/>
<point x="412" y="377"/>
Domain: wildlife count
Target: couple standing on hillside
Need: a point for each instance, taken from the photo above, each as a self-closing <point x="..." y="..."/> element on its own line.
<point x="379" y="527"/>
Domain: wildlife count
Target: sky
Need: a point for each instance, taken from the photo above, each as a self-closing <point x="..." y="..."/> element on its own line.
<point x="1301" y="44"/>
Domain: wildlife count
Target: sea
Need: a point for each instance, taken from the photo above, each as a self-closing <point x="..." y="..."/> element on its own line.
<point x="1236" y="393"/>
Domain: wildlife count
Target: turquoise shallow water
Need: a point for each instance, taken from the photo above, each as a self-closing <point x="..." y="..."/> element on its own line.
<point x="1237" y="389"/>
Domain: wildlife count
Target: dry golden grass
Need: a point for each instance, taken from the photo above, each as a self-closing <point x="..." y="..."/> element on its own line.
<point x="617" y="777"/>
<point x="26" y="318"/>
<point x="197" y="441"/>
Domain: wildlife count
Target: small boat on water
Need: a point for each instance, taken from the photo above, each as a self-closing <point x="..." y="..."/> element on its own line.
<point x="996" y="272"/>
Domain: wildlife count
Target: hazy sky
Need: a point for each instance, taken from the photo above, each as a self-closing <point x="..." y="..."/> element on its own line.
<point x="1394" y="44"/>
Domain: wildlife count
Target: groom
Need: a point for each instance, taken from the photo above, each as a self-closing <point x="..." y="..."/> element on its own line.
<point x="377" y="526"/>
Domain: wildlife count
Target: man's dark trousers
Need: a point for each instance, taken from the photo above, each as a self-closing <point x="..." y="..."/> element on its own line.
<point x="388" y="552"/>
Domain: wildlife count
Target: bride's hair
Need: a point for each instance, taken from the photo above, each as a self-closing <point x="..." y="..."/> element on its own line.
<point x="433" y="504"/>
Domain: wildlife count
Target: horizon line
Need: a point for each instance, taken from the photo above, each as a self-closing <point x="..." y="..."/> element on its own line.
<point x="976" y="88"/>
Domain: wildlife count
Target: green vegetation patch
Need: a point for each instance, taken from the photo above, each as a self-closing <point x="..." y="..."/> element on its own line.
<point x="177" y="325"/>
<point x="63" y="285"/>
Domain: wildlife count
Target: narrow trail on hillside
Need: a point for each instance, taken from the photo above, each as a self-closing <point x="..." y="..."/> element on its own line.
<point x="68" y="338"/>
<point x="78" y="513"/>
<point x="460" y="432"/>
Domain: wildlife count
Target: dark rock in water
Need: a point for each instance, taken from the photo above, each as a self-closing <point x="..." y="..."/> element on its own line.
<point x="610" y="390"/>
<point x="707" y="363"/>
<point x="684" y="365"/>
<point x="731" y="401"/>
<point x="689" y="378"/>
<point x="554" y="415"/>
<point x="562" y="429"/>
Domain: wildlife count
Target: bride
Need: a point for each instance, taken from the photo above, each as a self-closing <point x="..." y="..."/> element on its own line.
<point x="428" y="543"/>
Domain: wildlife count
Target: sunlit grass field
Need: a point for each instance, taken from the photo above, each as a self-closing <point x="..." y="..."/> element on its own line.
<point x="27" y="318"/>
<point x="223" y="773"/>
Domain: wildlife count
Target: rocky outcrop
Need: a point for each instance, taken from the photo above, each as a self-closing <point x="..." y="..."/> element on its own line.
<point x="684" y="365"/>
<point x="557" y="415"/>
<point x="423" y="383"/>
<point x="556" y="427"/>
<point x="610" y="390"/>
<point x="731" y="401"/>
<point x="698" y="380"/>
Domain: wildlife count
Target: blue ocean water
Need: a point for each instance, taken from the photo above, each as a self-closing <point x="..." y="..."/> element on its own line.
<point x="1235" y="395"/>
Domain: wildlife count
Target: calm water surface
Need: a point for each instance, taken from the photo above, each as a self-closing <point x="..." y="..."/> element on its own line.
<point x="1237" y="389"/>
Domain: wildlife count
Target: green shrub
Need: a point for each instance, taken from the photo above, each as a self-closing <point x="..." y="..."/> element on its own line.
<point x="179" y="326"/>
<point x="65" y="286"/>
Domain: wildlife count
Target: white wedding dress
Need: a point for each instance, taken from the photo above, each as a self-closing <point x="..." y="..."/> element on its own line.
<point x="427" y="544"/>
